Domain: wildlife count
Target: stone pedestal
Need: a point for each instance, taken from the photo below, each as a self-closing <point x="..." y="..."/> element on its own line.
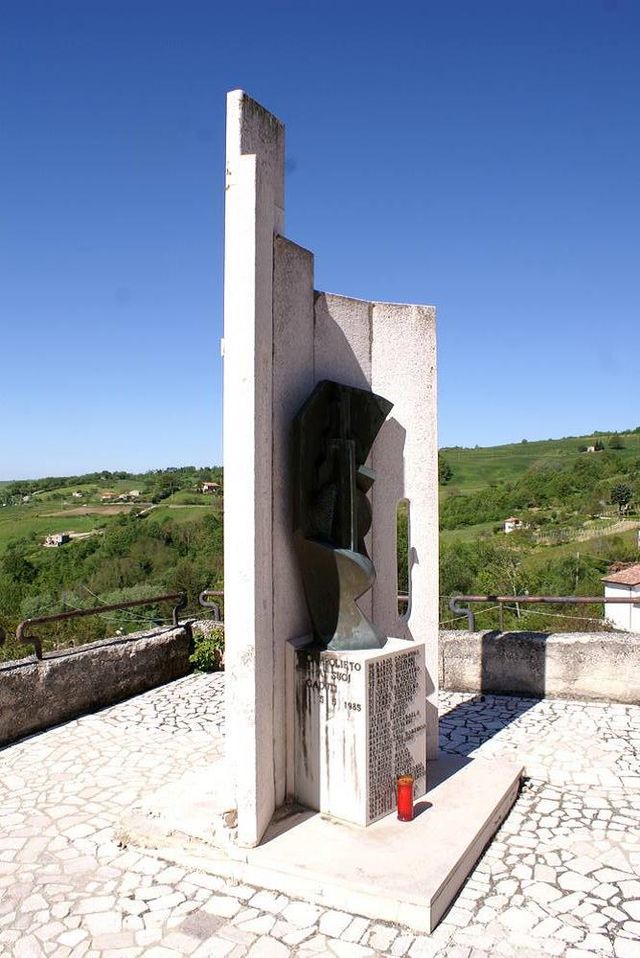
<point x="359" y="723"/>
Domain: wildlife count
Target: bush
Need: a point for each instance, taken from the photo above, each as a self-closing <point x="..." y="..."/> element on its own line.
<point x="208" y="651"/>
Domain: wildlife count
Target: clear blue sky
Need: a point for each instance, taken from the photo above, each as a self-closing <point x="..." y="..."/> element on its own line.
<point x="481" y="155"/>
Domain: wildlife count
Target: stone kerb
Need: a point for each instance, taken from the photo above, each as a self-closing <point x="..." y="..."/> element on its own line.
<point x="281" y="337"/>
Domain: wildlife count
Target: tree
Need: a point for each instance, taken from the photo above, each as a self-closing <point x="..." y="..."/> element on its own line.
<point x="444" y="470"/>
<point x="598" y="445"/>
<point x="621" y="495"/>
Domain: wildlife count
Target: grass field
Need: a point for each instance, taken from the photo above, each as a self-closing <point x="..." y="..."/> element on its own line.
<point x="466" y="533"/>
<point x="21" y="522"/>
<point x="182" y="513"/>
<point x="473" y="469"/>
<point x="191" y="497"/>
<point x="599" y="545"/>
<point x="38" y="519"/>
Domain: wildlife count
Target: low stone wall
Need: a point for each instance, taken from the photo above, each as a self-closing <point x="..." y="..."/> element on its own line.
<point x="36" y="695"/>
<point x="599" y="666"/>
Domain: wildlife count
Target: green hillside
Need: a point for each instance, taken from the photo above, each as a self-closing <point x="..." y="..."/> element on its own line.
<point x="140" y="535"/>
<point x="475" y="468"/>
<point x="580" y="512"/>
<point x="168" y="537"/>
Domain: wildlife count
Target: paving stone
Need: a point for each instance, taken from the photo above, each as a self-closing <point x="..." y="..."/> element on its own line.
<point x="333" y="923"/>
<point x="348" y="949"/>
<point x="200" y="924"/>
<point x="291" y="935"/>
<point x="236" y="935"/>
<point x="261" y="925"/>
<point x="28" y="947"/>
<point x="72" y="938"/>
<point x="380" y="937"/>
<point x="626" y="948"/>
<point x="103" y="923"/>
<point x="222" y="905"/>
<point x="423" y="948"/>
<point x="401" y="945"/>
<point x="269" y="901"/>
<point x="268" y="948"/>
<point x="560" y="878"/>
<point x="301" y="913"/>
<point x="183" y="944"/>
<point x="314" y="946"/>
<point x="159" y="951"/>
<point x="632" y="908"/>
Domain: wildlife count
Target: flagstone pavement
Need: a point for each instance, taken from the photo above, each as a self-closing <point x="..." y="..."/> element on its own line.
<point x="562" y="876"/>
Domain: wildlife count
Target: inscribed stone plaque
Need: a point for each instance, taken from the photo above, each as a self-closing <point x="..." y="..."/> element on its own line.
<point x="359" y="723"/>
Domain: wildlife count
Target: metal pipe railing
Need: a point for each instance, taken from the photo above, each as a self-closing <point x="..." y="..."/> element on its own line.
<point x="180" y="598"/>
<point x="203" y="599"/>
<point x="457" y="609"/>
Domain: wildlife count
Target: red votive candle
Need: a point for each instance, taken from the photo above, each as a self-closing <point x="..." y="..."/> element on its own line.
<point x="405" y="798"/>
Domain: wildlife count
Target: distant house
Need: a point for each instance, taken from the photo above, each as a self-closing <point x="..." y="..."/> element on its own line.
<point x="77" y="495"/>
<point x="209" y="486"/>
<point x="623" y="584"/>
<point x="128" y="496"/>
<point x="56" y="540"/>
<point x="512" y="524"/>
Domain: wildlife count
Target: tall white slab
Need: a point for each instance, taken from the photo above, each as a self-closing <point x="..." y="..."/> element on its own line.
<point x="281" y="338"/>
<point x="254" y="211"/>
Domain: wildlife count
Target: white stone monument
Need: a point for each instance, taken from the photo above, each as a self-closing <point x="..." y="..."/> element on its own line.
<point x="332" y="728"/>
<point x="281" y="337"/>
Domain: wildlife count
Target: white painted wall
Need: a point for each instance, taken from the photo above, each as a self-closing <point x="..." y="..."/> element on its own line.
<point x="622" y="616"/>
<point x="281" y="338"/>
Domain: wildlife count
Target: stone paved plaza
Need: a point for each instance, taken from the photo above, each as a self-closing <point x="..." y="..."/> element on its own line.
<point x="562" y="876"/>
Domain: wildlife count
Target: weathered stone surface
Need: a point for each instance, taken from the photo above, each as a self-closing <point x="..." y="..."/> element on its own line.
<point x="36" y="695"/>
<point x="360" y="723"/>
<point x="599" y="666"/>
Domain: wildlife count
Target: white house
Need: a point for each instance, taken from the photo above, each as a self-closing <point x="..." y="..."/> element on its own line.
<point x="210" y="486"/>
<point x="623" y="584"/>
<point x="56" y="540"/>
<point x="512" y="524"/>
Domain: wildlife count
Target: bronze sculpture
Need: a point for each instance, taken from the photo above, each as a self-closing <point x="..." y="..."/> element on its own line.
<point x="332" y="436"/>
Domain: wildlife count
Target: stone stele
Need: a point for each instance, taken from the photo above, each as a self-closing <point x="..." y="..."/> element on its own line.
<point x="360" y="723"/>
<point x="281" y="338"/>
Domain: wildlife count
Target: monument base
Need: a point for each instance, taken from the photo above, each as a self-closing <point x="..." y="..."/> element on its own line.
<point x="360" y="722"/>
<point x="409" y="873"/>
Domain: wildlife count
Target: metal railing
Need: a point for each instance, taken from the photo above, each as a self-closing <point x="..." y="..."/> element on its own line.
<point x="501" y="600"/>
<point x="205" y="602"/>
<point x="179" y="598"/>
